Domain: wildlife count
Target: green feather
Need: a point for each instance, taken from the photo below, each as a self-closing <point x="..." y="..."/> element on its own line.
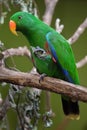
<point x="38" y="34"/>
<point x="44" y="64"/>
<point x="35" y="31"/>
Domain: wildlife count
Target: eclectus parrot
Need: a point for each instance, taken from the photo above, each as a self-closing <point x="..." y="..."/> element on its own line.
<point x="40" y="34"/>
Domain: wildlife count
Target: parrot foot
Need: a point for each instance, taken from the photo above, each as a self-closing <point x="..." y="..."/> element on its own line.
<point x="42" y="76"/>
<point x="38" y="49"/>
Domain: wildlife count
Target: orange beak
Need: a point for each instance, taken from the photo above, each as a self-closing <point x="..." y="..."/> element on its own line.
<point x="12" y="26"/>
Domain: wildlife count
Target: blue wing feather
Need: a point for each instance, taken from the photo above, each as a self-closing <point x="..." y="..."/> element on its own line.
<point x="54" y="55"/>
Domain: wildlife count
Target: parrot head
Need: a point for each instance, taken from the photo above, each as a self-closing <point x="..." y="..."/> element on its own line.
<point x="21" y="21"/>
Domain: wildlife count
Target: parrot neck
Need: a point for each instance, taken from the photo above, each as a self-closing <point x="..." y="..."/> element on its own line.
<point x="29" y="36"/>
<point x="34" y="37"/>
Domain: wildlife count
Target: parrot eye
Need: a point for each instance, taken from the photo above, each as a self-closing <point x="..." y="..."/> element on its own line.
<point x="19" y="17"/>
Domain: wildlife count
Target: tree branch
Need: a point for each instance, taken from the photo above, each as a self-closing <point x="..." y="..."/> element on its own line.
<point x="76" y="92"/>
<point x="24" y="51"/>
<point x="78" y="32"/>
<point x="59" y="27"/>
<point x="50" y="6"/>
<point x="82" y="62"/>
<point x="16" y="51"/>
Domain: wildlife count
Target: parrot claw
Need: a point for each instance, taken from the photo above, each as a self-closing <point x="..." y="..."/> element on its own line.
<point x="39" y="52"/>
<point x="42" y="76"/>
<point x="38" y="49"/>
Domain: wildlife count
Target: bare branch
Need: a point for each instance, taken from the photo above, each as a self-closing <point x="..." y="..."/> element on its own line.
<point x="59" y="27"/>
<point x="21" y="51"/>
<point x="16" y="51"/>
<point x="82" y="62"/>
<point x="78" y="32"/>
<point x="76" y="92"/>
<point x="50" y="6"/>
<point x="75" y="37"/>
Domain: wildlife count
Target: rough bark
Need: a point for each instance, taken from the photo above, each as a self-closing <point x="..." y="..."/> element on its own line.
<point x="76" y="92"/>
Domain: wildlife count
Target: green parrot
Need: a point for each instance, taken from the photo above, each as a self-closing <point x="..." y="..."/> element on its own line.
<point x="40" y="34"/>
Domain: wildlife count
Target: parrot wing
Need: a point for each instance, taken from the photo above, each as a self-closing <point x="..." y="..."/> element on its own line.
<point x="62" y="54"/>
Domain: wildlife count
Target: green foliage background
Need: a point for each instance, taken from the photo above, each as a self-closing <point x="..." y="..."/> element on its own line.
<point x="72" y="13"/>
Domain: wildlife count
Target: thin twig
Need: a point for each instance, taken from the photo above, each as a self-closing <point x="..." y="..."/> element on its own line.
<point x="78" y="32"/>
<point x="59" y="27"/>
<point x="50" y="6"/>
<point x="21" y="51"/>
<point x="82" y="62"/>
<point x="16" y="51"/>
<point x="75" y="37"/>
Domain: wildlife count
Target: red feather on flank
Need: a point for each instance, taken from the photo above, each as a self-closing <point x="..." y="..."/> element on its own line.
<point x="47" y="48"/>
<point x="54" y="59"/>
<point x="48" y="51"/>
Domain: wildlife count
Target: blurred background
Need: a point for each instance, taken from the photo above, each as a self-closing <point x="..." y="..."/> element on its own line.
<point x="71" y="13"/>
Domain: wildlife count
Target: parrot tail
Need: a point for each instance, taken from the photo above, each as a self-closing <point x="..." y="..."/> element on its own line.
<point x="70" y="108"/>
